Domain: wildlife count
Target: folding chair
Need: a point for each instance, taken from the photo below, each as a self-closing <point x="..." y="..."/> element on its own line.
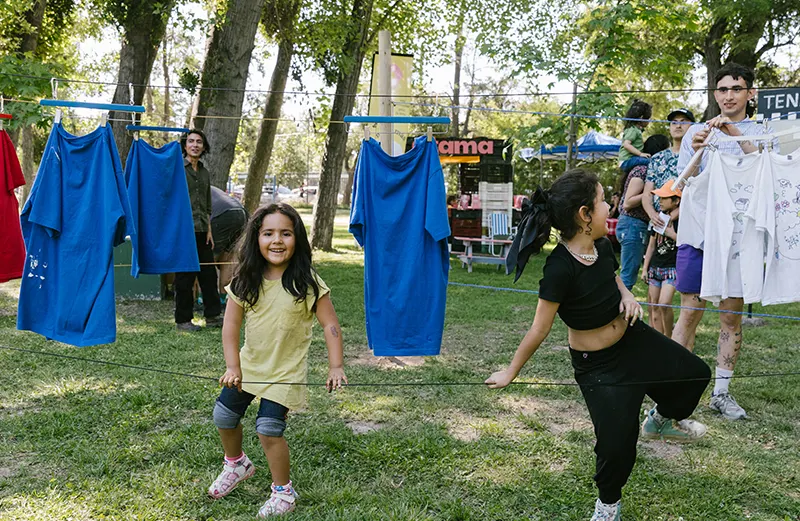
<point x="499" y="229"/>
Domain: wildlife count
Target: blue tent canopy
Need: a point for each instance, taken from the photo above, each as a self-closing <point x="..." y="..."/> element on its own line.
<point x="591" y="147"/>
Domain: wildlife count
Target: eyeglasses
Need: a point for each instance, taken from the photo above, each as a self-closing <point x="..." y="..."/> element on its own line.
<point x="736" y="90"/>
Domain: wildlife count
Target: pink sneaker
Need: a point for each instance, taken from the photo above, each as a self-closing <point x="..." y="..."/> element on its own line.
<point x="281" y="501"/>
<point x="232" y="474"/>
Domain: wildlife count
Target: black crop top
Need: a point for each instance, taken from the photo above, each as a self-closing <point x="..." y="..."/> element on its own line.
<point x="588" y="295"/>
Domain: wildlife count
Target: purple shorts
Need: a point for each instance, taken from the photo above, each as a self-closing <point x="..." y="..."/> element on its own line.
<point x="689" y="268"/>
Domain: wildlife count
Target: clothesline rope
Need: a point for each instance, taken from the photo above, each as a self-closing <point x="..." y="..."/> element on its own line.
<point x="712" y="310"/>
<point x="442" y="107"/>
<point x="394" y="384"/>
<point x="559" y="114"/>
<point x="428" y="96"/>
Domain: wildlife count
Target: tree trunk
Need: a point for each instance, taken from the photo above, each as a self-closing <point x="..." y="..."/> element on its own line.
<point x="350" y="167"/>
<point x="269" y="126"/>
<point x="460" y="41"/>
<point x="165" y="66"/>
<point x="142" y="35"/>
<point x="713" y="61"/>
<point x="28" y="161"/>
<point x="34" y="17"/>
<point x="225" y="68"/>
<point x="336" y="141"/>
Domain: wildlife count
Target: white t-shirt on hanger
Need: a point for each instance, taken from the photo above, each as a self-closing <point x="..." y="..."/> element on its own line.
<point x="731" y="187"/>
<point x="782" y="283"/>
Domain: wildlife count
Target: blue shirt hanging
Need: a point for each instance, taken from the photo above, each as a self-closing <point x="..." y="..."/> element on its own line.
<point x="162" y="213"/>
<point x="399" y="216"/>
<point x="77" y="212"/>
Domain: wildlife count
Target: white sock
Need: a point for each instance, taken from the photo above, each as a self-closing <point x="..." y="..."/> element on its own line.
<point x="722" y="381"/>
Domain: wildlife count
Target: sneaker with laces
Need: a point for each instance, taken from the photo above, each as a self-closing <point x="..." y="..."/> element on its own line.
<point x="671" y="430"/>
<point x="187" y="326"/>
<point x="603" y="512"/>
<point x="232" y="474"/>
<point x="281" y="501"/>
<point x="725" y="404"/>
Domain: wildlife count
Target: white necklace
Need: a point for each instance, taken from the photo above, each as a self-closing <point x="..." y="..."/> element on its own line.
<point x="588" y="257"/>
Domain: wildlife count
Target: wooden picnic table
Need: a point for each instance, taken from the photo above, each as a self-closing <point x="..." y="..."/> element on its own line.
<point x="468" y="258"/>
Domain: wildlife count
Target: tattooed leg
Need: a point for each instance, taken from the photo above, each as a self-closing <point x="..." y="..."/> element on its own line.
<point x="730" y="333"/>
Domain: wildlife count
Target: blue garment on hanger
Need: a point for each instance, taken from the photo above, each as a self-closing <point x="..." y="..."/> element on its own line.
<point x="77" y="212"/>
<point x="399" y="216"/>
<point x="162" y="213"/>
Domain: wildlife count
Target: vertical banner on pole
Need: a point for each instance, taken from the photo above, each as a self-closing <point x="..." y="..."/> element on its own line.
<point x="402" y="68"/>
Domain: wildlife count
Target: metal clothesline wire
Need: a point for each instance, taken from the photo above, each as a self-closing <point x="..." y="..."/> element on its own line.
<point x="333" y="94"/>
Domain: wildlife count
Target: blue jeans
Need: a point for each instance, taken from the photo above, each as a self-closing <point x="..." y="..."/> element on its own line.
<point x="632" y="236"/>
<point x="631" y="162"/>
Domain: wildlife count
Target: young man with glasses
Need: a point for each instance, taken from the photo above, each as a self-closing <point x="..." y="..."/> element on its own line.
<point x="733" y="93"/>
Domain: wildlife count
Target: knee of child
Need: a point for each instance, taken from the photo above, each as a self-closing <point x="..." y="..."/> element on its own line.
<point x="270" y="427"/>
<point x="225" y="418"/>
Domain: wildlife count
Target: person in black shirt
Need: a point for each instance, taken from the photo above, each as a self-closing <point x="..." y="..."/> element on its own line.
<point x="617" y="358"/>
<point x="658" y="270"/>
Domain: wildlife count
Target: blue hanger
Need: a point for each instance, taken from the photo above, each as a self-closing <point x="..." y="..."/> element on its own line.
<point x="119" y="107"/>
<point x="137" y="128"/>
<point x="157" y="129"/>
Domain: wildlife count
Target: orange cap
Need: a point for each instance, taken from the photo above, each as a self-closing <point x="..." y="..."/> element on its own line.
<point x="667" y="191"/>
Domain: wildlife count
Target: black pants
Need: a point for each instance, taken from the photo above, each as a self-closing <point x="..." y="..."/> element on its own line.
<point x="642" y="355"/>
<point x="184" y="285"/>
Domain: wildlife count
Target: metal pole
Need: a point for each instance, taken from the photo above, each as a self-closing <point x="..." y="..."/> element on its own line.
<point x="572" y="137"/>
<point x="749" y="311"/>
<point x="385" y="88"/>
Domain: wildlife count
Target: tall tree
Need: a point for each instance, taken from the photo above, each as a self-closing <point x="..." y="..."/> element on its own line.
<point x="141" y="24"/>
<point x="224" y="78"/>
<point x="33" y="35"/>
<point x="743" y="32"/>
<point x="280" y="17"/>
<point x="353" y="52"/>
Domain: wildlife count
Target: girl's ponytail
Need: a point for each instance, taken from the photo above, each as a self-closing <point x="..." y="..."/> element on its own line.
<point x="533" y="231"/>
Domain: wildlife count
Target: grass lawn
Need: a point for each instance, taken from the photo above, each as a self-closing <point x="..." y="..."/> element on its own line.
<point x="82" y="441"/>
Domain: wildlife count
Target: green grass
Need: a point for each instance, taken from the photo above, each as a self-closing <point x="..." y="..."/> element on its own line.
<point x="88" y="442"/>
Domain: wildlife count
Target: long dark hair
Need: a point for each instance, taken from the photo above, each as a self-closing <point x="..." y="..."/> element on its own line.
<point x="548" y="209"/>
<point x="299" y="274"/>
<point x="638" y="110"/>
<point x="652" y="145"/>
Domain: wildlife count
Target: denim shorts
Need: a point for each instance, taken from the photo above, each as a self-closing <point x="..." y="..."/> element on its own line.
<point x="658" y="276"/>
<point x="238" y="402"/>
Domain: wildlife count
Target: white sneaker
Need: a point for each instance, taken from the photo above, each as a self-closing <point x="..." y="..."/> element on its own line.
<point x="232" y="474"/>
<point x="725" y="404"/>
<point x="603" y="512"/>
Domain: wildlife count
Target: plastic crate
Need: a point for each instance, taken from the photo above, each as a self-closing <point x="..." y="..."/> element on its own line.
<point x="469" y="178"/>
<point x="497" y="173"/>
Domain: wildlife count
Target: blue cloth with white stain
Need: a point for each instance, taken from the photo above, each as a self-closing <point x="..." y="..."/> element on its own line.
<point x="77" y="212"/>
<point x="164" y="241"/>
<point x="399" y="216"/>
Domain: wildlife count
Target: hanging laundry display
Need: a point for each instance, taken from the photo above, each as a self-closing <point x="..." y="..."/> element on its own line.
<point x="164" y="241"/>
<point x="399" y="216"/>
<point x="731" y="189"/>
<point x="781" y="280"/>
<point x="12" y="248"/>
<point x="78" y="210"/>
